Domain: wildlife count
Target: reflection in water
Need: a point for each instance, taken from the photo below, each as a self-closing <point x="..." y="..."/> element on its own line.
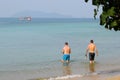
<point x="92" y="67"/>
<point x="66" y="69"/>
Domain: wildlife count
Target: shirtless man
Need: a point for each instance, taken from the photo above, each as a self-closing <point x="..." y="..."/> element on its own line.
<point x="92" y="50"/>
<point x="66" y="52"/>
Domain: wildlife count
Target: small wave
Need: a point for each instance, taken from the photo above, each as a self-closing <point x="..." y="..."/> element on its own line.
<point x="65" y="77"/>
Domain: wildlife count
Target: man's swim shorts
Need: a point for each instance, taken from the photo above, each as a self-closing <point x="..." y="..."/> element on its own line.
<point x="91" y="56"/>
<point x="66" y="57"/>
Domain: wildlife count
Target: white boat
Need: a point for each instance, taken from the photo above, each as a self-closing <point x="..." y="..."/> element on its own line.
<point x="25" y="18"/>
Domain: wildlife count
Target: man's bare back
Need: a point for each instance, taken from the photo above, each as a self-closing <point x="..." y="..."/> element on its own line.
<point x="91" y="47"/>
<point x="66" y="49"/>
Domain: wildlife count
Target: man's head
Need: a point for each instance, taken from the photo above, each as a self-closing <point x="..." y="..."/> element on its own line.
<point x="66" y="43"/>
<point x="91" y="41"/>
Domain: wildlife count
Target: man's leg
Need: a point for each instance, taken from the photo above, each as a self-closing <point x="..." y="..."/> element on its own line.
<point x="91" y="61"/>
<point x="68" y="58"/>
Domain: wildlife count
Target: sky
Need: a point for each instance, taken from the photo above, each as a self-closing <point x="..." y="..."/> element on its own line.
<point x="73" y="8"/>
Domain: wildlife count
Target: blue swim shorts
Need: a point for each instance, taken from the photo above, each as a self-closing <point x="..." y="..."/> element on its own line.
<point x="66" y="57"/>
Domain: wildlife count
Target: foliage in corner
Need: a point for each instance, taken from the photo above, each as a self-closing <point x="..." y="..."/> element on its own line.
<point x="110" y="16"/>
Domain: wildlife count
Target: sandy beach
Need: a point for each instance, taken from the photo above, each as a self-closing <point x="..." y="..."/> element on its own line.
<point x="114" y="78"/>
<point x="78" y="77"/>
<point x="117" y="77"/>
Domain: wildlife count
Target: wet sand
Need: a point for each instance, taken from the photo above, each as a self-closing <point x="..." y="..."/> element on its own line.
<point x="114" y="78"/>
<point x="90" y="77"/>
<point x="86" y="78"/>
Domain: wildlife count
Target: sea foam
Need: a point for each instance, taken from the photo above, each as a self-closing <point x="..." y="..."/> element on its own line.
<point x="65" y="77"/>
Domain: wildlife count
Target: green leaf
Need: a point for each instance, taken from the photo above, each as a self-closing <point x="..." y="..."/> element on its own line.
<point x="114" y="23"/>
<point x="111" y="11"/>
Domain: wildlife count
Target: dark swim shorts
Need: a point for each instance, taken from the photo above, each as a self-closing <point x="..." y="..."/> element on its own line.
<point x="91" y="56"/>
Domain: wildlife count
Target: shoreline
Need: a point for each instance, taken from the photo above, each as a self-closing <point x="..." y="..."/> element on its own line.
<point x="78" y="77"/>
<point x="111" y="74"/>
<point x="89" y="72"/>
<point x="117" y="77"/>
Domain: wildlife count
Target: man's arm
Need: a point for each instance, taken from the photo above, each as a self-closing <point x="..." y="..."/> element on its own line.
<point x="87" y="51"/>
<point x="63" y="50"/>
<point x="70" y="50"/>
<point x="96" y="51"/>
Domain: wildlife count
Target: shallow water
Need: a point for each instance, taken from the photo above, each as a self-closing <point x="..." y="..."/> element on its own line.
<point x="34" y="48"/>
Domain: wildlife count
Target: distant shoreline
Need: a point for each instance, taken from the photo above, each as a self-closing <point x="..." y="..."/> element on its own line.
<point x="51" y="18"/>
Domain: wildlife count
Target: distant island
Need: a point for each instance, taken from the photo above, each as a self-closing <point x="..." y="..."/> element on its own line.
<point x="38" y="14"/>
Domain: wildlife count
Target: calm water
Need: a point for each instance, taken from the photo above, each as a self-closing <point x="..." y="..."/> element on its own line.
<point x="34" y="48"/>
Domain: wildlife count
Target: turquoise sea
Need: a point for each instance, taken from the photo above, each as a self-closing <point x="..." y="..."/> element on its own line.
<point x="32" y="49"/>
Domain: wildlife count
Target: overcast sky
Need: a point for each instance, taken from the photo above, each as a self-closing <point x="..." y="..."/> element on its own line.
<point x="74" y="8"/>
